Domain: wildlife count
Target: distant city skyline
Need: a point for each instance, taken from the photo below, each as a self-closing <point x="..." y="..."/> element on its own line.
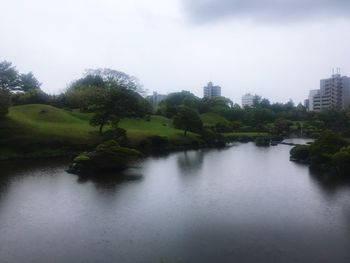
<point x="277" y="51"/>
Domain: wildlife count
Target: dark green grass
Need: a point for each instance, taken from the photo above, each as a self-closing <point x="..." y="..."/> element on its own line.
<point x="45" y="129"/>
<point x="211" y="119"/>
<point x="138" y="129"/>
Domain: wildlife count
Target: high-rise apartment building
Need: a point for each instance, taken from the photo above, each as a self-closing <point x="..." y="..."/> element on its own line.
<point x="156" y="98"/>
<point x="211" y="91"/>
<point x="248" y="100"/>
<point x="334" y="93"/>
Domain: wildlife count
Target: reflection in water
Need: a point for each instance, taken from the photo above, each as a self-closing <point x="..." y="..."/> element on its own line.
<point x="242" y="204"/>
<point x="330" y="183"/>
<point x="190" y="161"/>
<point x="109" y="180"/>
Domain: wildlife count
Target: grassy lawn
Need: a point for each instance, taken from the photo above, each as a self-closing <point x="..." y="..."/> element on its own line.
<point x="138" y="129"/>
<point x="48" y="121"/>
<point x="39" y="128"/>
<point x="211" y="119"/>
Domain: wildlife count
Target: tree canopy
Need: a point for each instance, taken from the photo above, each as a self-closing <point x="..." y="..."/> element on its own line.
<point x="187" y="119"/>
<point x="9" y="78"/>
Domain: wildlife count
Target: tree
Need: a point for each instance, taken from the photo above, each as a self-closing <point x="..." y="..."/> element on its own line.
<point x="112" y="104"/>
<point x="9" y="78"/>
<point x="9" y="81"/>
<point x="187" y="119"/>
<point x="32" y="96"/>
<point x="114" y="76"/>
<point x="28" y="82"/>
<point x="4" y="102"/>
<point x="169" y="106"/>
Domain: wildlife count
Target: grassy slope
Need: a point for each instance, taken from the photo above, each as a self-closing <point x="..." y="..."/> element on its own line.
<point x="40" y="128"/>
<point x="49" y="121"/>
<point x="211" y="119"/>
<point x="139" y="129"/>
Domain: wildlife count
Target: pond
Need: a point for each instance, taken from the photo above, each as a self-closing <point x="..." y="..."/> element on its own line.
<point x="238" y="204"/>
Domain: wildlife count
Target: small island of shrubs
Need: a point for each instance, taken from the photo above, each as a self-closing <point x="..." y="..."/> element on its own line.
<point x="329" y="153"/>
<point x="107" y="156"/>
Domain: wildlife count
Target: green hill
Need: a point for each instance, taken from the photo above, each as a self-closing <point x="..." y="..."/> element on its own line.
<point x="211" y="119"/>
<point x="47" y="130"/>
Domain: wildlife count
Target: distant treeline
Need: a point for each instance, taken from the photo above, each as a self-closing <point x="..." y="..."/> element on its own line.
<point x="112" y="95"/>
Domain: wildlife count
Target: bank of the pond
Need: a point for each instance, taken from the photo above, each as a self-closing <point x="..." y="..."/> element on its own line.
<point x="36" y="131"/>
<point x="43" y="131"/>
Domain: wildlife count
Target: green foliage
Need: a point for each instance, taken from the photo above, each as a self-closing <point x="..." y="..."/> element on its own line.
<point x="168" y="107"/>
<point x="4" y="102"/>
<point x="108" y="146"/>
<point x="31" y="96"/>
<point x="9" y="81"/>
<point x="325" y="146"/>
<point x="82" y="158"/>
<point x="112" y="104"/>
<point x="187" y="119"/>
<point x="342" y="159"/>
<point x="9" y="78"/>
<point x="115" y="78"/>
<point x="210" y="119"/>
<point x="28" y="82"/>
<point x="217" y="105"/>
<point x="111" y="147"/>
<point x="300" y="153"/>
<point x="80" y="97"/>
<point x="41" y="130"/>
<point x="282" y="126"/>
<point x="329" y="151"/>
<point x="107" y="156"/>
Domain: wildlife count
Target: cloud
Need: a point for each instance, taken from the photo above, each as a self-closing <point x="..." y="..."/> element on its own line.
<point x="266" y="10"/>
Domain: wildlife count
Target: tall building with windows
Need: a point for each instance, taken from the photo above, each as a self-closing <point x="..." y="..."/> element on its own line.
<point x="248" y="100"/>
<point x="156" y="98"/>
<point x="211" y="91"/>
<point x="334" y="93"/>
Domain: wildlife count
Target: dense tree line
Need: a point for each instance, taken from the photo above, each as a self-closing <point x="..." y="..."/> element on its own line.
<point x="112" y="95"/>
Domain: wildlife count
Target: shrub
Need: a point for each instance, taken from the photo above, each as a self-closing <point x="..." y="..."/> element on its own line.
<point x="4" y="102"/>
<point x="82" y="158"/>
<point x="300" y="153"/>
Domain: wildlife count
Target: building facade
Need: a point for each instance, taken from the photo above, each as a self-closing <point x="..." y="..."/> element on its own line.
<point x="248" y="100"/>
<point x="211" y="91"/>
<point x="155" y="99"/>
<point x="334" y="93"/>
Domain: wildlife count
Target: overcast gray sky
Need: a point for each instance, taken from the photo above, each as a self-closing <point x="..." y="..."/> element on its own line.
<point x="276" y="48"/>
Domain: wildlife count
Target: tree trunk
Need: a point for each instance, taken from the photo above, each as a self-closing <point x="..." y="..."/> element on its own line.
<point x="101" y="127"/>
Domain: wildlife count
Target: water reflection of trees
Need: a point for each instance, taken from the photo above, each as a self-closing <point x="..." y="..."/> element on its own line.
<point x="109" y="181"/>
<point x="15" y="169"/>
<point x="190" y="161"/>
<point x="330" y="183"/>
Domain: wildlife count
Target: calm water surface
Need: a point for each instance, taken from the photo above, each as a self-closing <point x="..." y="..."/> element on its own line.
<point x="241" y="204"/>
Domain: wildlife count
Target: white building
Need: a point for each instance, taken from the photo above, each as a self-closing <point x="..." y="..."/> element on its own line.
<point x="248" y="100"/>
<point x="334" y="93"/>
<point x="155" y="98"/>
<point x="314" y="101"/>
<point x="211" y="91"/>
